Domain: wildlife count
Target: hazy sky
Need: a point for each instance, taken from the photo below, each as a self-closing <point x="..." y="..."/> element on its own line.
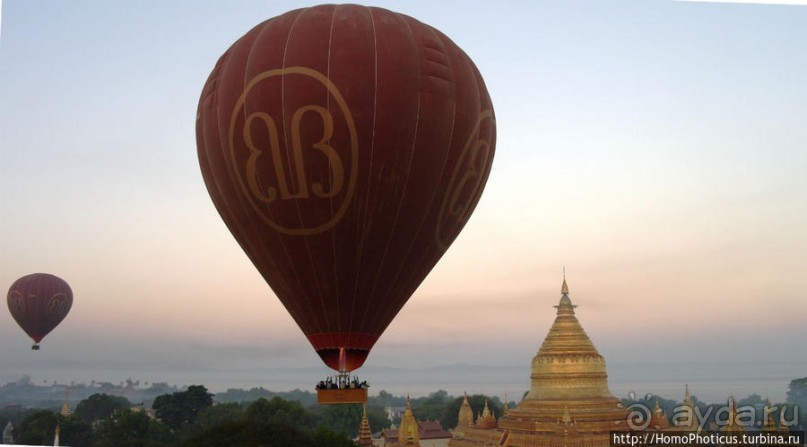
<point x="657" y="149"/>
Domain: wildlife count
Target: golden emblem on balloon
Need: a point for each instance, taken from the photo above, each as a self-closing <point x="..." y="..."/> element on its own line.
<point x="263" y="176"/>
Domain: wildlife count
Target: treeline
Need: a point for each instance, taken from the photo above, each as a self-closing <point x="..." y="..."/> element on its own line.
<point x="751" y="409"/>
<point x="246" y="418"/>
<point x="183" y="418"/>
<point x="24" y="392"/>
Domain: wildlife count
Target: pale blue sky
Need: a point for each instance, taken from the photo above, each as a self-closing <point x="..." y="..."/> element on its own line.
<point x="656" y="148"/>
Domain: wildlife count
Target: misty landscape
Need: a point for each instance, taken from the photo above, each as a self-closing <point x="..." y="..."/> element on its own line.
<point x="422" y="224"/>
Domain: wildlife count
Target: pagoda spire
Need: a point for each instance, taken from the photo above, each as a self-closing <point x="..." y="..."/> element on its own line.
<point x="732" y="424"/>
<point x="569" y="402"/>
<point x="466" y="415"/>
<point x="769" y="424"/>
<point x="565" y="307"/>
<point x="567" y="364"/>
<point x="564" y="289"/>
<point x="486" y="419"/>
<point x="66" y="405"/>
<point x="408" y="432"/>
<point x="689" y="419"/>
<point x="365" y="434"/>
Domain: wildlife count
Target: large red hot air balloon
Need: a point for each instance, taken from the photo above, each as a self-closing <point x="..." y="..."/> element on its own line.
<point x="39" y="302"/>
<point x="345" y="147"/>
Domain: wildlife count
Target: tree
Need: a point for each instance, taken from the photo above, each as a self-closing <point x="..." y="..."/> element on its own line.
<point x="100" y="406"/>
<point x="181" y="407"/>
<point x="752" y="400"/>
<point x="249" y="433"/>
<point x="131" y="428"/>
<point x="432" y="407"/>
<point x="279" y="410"/>
<point x="384" y="398"/>
<point x="339" y="418"/>
<point x="377" y="417"/>
<point x="797" y="402"/>
<point x="74" y="431"/>
<point x="217" y="414"/>
<point x="797" y="392"/>
<point x="38" y="428"/>
<point x="322" y="437"/>
<point x="13" y="414"/>
<point x="347" y="418"/>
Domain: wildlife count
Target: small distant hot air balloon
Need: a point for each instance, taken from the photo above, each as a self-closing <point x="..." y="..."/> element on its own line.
<point x="39" y="302"/>
<point x="345" y="147"/>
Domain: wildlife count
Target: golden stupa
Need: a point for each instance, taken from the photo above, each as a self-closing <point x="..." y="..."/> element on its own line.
<point x="408" y="432"/>
<point x="365" y="434"/>
<point x="733" y="424"/>
<point x="569" y="403"/>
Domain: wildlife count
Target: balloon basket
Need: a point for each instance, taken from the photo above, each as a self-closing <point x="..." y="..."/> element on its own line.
<point x="35" y="347"/>
<point x="342" y="396"/>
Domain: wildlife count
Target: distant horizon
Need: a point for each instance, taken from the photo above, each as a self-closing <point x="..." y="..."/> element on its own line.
<point x="710" y="387"/>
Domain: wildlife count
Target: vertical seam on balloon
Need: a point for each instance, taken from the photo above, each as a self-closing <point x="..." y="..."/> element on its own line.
<point x="363" y="233"/>
<point x="227" y="207"/>
<point x="480" y="87"/>
<point x="296" y="203"/>
<point x="256" y="231"/>
<point x="435" y="192"/>
<point x="434" y="196"/>
<point x="378" y="310"/>
<point x="330" y="199"/>
<point x="298" y="290"/>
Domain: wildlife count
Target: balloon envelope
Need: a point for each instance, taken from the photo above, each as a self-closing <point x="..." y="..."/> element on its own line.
<point x="39" y="302"/>
<point x="345" y="147"/>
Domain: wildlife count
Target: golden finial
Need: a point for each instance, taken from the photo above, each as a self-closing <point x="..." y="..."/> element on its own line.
<point x="769" y="424"/>
<point x="732" y="411"/>
<point x="565" y="306"/>
<point x="564" y="289"/>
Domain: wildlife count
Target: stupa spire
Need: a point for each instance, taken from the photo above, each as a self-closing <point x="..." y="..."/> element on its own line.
<point x="408" y="433"/>
<point x="567" y="364"/>
<point x="569" y="403"/>
<point x="564" y="289"/>
<point x="365" y="434"/>
<point x="466" y="415"/>
<point x="732" y="424"/>
<point x="769" y="424"/>
<point x="486" y="419"/>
